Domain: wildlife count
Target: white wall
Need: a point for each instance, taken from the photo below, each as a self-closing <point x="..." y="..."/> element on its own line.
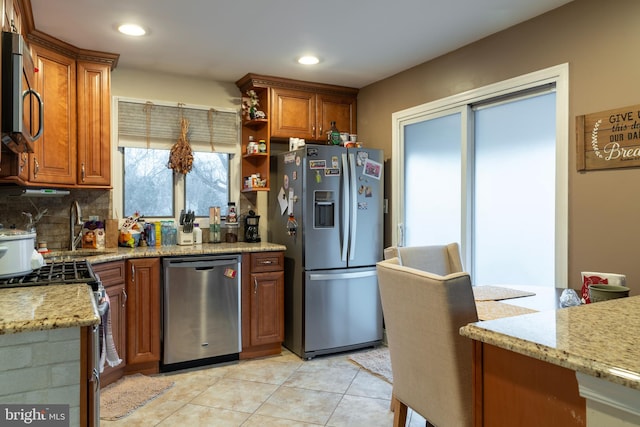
<point x="167" y="87"/>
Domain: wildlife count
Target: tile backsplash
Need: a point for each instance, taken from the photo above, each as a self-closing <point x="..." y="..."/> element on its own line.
<point x="53" y="227"/>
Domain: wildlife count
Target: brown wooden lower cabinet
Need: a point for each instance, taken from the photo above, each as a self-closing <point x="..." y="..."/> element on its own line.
<point x="134" y="290"/>
<point x="113" y="278"/>
<point x="262" y="304"/>
<point x="143" y="315"/>
<point x="510" y="389"/>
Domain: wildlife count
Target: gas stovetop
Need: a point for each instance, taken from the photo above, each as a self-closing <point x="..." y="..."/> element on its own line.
<point x="55" y="273"/>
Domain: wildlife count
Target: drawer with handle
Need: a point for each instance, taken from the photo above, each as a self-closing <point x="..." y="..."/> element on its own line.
<point x="267" y="261"/>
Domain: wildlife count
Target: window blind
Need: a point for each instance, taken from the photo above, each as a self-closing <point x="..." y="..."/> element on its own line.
<point x="154" y="125"/>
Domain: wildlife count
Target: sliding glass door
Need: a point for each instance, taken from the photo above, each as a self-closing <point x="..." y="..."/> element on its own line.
<point x="490" y="174"/>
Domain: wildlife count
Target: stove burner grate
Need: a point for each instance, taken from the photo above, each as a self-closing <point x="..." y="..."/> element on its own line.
<point x="56" y="273"/>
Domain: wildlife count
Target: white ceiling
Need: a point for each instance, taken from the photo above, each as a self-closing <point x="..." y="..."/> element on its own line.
<point x="358" y="41"/>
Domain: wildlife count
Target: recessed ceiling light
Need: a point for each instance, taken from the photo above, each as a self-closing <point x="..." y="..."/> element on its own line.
<point x="132" y="30"/>
<point x="308" y="60"/>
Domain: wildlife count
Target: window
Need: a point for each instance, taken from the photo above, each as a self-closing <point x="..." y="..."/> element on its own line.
<point x="146" y="133"/>
<point x="149" y="186"/>
<point x="488" y="169"/>
<point x="148" y="183"/>
<point x="208" y="183"/>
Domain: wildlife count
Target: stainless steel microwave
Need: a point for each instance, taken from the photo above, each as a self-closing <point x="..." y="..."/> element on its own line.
<point x="22" y="106"/>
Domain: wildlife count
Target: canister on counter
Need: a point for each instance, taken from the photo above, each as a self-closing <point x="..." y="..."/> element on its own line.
<point x="231" y="232"/>
<point x="214" y="224"/>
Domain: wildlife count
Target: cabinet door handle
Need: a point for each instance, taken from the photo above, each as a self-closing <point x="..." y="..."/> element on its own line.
<point x="125" y="297"/>
<point x="36" y="167"/>
<point x="266" y="262"/>
<point x="82" y="172"/>
<point x="255" y="285"/>
<point x="133" y="273"/>
<point x="24" y="162"/>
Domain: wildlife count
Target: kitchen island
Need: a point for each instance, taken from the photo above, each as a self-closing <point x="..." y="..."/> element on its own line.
<point x="43" y="331"/>
<point x="571" y="366"/>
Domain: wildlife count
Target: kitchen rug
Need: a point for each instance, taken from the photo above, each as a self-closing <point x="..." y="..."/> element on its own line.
<point x="121" y="398"/>
<point x="375" y="361"/>
<point x="494" y="293"/>
<point x="490" y="310"/>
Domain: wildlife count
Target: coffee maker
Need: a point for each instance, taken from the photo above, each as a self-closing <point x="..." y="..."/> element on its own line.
<point x="251" y="228"/>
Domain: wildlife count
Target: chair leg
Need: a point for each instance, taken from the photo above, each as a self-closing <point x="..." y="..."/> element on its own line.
<point x="399" y="414"/>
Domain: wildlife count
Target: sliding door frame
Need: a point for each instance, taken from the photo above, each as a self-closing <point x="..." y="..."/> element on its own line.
<point x="460" y="103"/>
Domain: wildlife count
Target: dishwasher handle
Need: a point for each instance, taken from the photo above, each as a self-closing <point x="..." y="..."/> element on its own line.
<point x="200" y="264"/>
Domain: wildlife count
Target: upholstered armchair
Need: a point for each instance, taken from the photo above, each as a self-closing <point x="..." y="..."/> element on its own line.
<point x="430" y="361"/>
<point x="438" y="259"/>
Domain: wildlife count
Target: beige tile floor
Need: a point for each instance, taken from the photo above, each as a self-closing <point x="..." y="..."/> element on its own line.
<point x="281" y="390"/>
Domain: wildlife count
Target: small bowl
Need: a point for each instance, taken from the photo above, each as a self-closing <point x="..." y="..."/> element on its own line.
<point x="606" y="292"/>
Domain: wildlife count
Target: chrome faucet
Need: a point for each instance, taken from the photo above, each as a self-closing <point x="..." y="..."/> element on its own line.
<point x="75" y="218"/>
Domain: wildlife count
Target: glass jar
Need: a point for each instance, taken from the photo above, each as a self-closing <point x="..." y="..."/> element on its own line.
<point x="252" y="147"/>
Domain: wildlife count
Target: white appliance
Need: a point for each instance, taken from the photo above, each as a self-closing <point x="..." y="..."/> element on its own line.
<point x="326" y="207"/>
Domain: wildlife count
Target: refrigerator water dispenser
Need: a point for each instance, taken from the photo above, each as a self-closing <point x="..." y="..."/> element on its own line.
<point x="324" y="208"/>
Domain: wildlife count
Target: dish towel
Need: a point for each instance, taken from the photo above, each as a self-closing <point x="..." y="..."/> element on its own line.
<point x="108" y="352"/>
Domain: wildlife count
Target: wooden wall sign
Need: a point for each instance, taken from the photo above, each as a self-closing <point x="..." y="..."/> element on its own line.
<point x="608" y="139"/>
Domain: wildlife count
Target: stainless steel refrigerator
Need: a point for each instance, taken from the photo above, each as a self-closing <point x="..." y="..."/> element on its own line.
<point x="326" y="207"/>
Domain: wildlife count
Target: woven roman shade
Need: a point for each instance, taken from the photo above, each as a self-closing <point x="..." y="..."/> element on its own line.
<point x="147" y="124"/>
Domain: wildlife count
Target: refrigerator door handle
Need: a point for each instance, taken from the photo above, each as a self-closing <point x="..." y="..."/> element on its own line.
<point x="336" y="276"/>
<point x="354" y="207"/>
<point x="345" y="209"/>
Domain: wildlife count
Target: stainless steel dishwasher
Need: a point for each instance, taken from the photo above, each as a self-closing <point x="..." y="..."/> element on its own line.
<point x="201" y="310"/>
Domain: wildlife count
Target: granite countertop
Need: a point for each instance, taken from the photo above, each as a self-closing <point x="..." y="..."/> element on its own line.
<point x="96" y="256"/>
<point x="36" y="308"/>
<point x="598" y="339"/>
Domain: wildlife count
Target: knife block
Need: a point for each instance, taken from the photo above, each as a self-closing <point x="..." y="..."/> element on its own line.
<point x="184" y="239"/>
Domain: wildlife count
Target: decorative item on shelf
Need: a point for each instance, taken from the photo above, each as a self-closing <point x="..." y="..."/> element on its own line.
<point x="262" y="146"/>
<point x="250" y="105"/>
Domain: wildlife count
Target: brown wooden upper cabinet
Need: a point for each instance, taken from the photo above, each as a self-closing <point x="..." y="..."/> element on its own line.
<point x="308" y="115"/>
<point x="301" y="109"/>
<point x="54" y="158"/>
<point x="293" y="109"/>
<point x="94" y="127"/>
<point x="74" y="150"/>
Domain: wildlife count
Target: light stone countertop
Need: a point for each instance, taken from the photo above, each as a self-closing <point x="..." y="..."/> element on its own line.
<point x="34" y="308"/>
<point x="599" y="339"/>
<point x="97" y="256"/>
